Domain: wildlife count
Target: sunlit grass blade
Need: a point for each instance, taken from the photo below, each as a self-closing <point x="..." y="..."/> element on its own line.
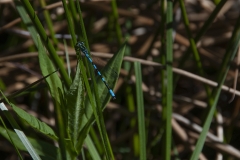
<point x="19" y="132"/>
<point x="11" y="139"/>
<point x="44" y="149"/>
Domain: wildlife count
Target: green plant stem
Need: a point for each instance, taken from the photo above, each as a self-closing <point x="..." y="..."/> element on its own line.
<point x="70" y="23"/>
<point x="49" y="23"/>
<point x="169" y="92"/>
<point x="47" y="42"/>
<point x="162" y="130"/>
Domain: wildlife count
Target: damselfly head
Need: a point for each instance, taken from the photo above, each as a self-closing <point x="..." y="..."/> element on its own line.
<point x="80" y="46"/>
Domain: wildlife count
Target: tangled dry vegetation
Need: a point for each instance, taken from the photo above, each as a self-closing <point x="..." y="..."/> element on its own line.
<point x="140" y="21"/>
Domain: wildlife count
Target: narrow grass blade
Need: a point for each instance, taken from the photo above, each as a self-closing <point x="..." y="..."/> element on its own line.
<point x="167" y="110"/>
<point x="70" y="22"/>
<point x="49" y="23"/>
<point x="117" y="26"/>
<point x="163" y="100"/>
<point x="140" y="111"/>
<point x="67" y="58"/>
<point x="92" y="149"/>
<point x="193" y="46"/>
<point x="23" y="91"/>
<point x="229" y="55"/>
<point x="203" y="29"/>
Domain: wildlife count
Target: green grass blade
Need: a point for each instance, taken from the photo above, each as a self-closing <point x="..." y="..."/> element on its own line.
<point x="90" y="70"/>
<point x="203" y="29"/>
<point x="94" y="137"/>
<point x="229" y="55"/>
<point x="70" y="22"/>
<point x="92" y="149"/>
<point x="67" y="58"/>
<point x="193" y="46"/>
<point x="49" y="23"/>
<point x="163" y="75"/>
<point x="141" y="116"/>
<point x="167" y="110"/>
<point x="117" y="26"/>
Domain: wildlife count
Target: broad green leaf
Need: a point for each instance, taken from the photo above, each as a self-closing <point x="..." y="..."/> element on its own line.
<point x="56" y="90"/>
<point x="34" y="122"/>
<point x="110" y="72"/>
<point x="47" y="67"/>
<point x="22" y="12"/>
<point x="74" y="100"/>
<point x="45" y="150"/>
